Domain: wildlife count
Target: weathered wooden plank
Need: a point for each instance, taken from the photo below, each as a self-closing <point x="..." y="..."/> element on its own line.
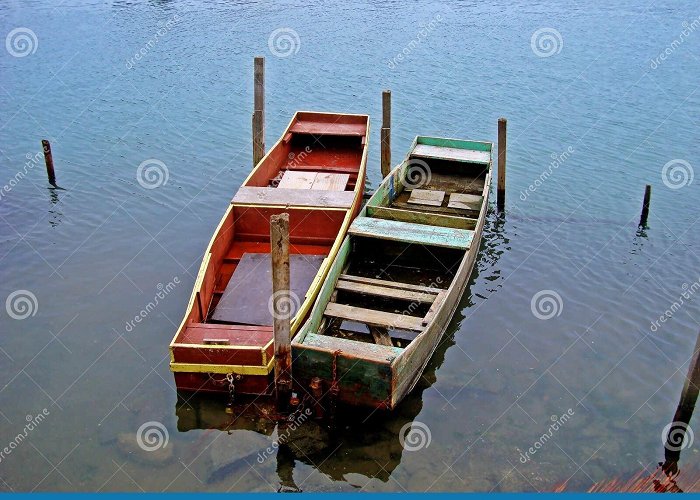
<point x="373" y="317"/>
<point x="330" y="182"/>
<point x="281" y="306"/>
<point x="408" y="232"/>
<point x="426" y="197"/>
<point x="361" y="350"/>
<point x="297" y="180"/>
<point x="390" y="284"/>
<point x="454" y="143"/>
<point x="381" y="291"/>
<point x="328" y="128"/>
<point x="465" y="201"/>
<point x="435" y="307"/>
<point x="431" y="219"/>
<point x="248" y="195"/>
<point x="446" y="153"/>
<point x="437" y="210"/>
<point x="380" y="335"/>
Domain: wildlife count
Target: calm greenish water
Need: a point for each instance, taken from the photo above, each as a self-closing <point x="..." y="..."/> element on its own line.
<point x="579" y="81"/>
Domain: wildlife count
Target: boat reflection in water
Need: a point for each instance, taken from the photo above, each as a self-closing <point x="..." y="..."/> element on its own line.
<point x="360" y="442"/>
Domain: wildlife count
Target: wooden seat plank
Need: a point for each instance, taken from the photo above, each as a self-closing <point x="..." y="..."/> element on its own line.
<point x="247" y="295"/>
<point x="426" y="197"/>
<point x="409" y="232"/>
<point x="241" y="335"/>
<point x="330" y="182"/>
<point x="381" y="291"/>
<point x="373" y="317"/>
<point x="249" y="195"/>
<point x="361" y="350"/>
<point x="390" y="284"/>
<point x="328" y="128"/>
<point x="464" y="155"/>
<point x="431" y="219"/>
<point x="465" y="201"/>
<point x="297" y="180"/>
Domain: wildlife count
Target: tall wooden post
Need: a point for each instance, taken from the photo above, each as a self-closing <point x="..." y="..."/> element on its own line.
<point x="645" y="206"/>
<point x="281" y="307"/>
<point x="386" y="133"/>
<point x="258" y="110"/>
<point x="501" y="193"/>
<point x="48" y="158"/>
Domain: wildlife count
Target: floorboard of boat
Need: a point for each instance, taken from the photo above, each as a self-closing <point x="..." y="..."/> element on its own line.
<point x="246" y="297"/>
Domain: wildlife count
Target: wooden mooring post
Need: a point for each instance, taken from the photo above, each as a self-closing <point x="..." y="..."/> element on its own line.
<point x="386" y="133"/>
<point x="501" y="193"/>
<point x="281" y="308"/>
<point x="258" y="110"/>
<point x="645" y="206"/>
<point x="48" y="158"/>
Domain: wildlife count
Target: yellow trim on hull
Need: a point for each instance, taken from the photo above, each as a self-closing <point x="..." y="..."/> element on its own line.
<point x="223" y="369"/>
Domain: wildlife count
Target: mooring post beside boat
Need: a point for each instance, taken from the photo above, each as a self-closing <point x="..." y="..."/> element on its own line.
<point x="258" y="110"/>
<point x="645" y="206"/>
<point x="386" y="133"/>
<point x="48" y="159"/>
<point x="501" y="194"/>
<point x="282" y="310"/>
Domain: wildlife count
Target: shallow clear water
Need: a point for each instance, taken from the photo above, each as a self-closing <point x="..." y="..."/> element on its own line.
<point x="95" y="253"/>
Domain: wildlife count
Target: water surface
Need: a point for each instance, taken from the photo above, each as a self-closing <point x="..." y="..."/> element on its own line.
<point x="95" y="254"/>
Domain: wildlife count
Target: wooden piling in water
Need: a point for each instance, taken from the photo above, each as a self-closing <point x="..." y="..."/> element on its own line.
<point x="501" y="192"/>
<point x="386" y="133"/>
<point x="282" y="307"/>
<point x="645" y="206"/>
<point x="258" y="110"/>
<point x="48" y="158"/>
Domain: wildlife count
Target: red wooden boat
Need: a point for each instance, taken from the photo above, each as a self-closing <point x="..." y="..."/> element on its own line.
<point x="316" y="174"/>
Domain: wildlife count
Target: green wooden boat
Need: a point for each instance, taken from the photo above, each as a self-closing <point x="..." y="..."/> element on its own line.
<point x="398" y="277"/>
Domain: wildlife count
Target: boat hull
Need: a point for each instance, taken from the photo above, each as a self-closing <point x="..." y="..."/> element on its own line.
<point x="380" y="374"/>
<point x="209" y="346"/>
